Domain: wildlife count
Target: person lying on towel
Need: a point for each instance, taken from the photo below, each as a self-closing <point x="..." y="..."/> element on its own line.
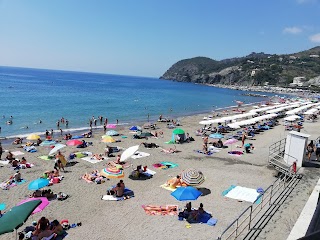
<point x="174" y="182"/>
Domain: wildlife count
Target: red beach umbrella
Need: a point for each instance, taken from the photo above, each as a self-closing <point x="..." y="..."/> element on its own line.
<point x="74" y="142"/>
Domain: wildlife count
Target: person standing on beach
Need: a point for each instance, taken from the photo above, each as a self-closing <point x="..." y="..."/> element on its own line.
<point x="243" y="138"/>
<point x="1" y="150"/>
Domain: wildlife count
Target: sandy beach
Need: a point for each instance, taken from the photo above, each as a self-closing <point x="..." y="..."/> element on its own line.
<point x="128" y="220"/>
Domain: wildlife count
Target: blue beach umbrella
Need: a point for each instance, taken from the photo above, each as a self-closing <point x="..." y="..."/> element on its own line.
<point x="38" y="183"/>
<point x="135" y="128"/>
<point x="186" y="193"/>
<point x="216" y="136"/>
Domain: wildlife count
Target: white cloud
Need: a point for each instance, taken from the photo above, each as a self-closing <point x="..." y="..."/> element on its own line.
<point x="315" y="38"/>
<point x="292" y="30"/>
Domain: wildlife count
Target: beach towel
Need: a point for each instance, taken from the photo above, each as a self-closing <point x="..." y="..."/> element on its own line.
<point x="149" y="172"/>
<point x="140" y="155"/>
<point x="214" y="149"/>
<point x="80" y="154"/>
<point x="30" y="149"/>
<point x="200" y="151"/>
<point x="236" y="153"/>
<point x="44" y="157"/>
<point x="212" y="221"/>
<point x="6" y="186"/>
<point x="165" y="186"/>
<point x="161" y="210"/>
<point x="17" y="153"/>
<point x="241" y="193"/>
<point x="91" y="160"/>
<point x="169" y="165"/>
<point x="4" y="162"/>
<point x="113" y="198"/>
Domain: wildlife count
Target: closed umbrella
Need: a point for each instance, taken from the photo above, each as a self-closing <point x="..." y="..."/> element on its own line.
<point x="192" y="177"/>
<point x="128" y="153"/>
<point x="178" y="131"/>
<point x="216" y="136"/>
<point x="17" y="216"/>
<point x="38" y="183"/>
<point x="74" y="142"/>
<point x="186" y="193"/>
<point x="56" y="148"/>
<point x="112" y="133"/>
<point x="33" y="137"/>
<point x="112" y="172"/>
<point x="43" y="204"/>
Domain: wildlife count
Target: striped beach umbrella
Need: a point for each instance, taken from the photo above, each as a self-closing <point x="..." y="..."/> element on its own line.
<point x="192" y="177"/>
<point x="112" y="172"/>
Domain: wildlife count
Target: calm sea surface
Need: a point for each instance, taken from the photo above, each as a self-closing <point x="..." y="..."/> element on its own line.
<point x="29" y="95"/>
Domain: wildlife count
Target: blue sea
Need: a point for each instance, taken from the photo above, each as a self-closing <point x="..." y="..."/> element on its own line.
<point x="31" y="95"/>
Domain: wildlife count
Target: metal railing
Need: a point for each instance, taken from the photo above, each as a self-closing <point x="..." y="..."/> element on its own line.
<point x="247" y="220"/>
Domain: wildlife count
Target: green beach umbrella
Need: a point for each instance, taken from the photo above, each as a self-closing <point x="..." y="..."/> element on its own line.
<point x="17" y="216"/>
<point x="178" y="131"/>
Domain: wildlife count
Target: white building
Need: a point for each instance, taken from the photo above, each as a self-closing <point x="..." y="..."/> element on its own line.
<point x="298" y="81"/>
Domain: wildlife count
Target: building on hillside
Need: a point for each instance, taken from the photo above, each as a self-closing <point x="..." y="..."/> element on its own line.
<point x="298" y="81"/>
<point x="314" y="56"/>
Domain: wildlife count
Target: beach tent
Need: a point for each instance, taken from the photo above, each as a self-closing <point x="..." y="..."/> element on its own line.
<point x="180" y="133"/>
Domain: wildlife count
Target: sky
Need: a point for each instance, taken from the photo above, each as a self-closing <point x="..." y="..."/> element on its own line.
<point x="146" y="37"/>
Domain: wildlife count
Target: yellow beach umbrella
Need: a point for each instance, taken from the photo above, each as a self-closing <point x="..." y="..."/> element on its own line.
<point x="108" y="139"/>
<point x="33" y="137"/>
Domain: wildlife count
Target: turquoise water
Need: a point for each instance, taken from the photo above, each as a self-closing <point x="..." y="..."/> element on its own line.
<point x="29" y="95"/>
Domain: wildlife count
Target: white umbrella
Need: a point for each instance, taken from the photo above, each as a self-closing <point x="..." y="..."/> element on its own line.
<point x="56" y="148"/>
<point x="128" y="153"/>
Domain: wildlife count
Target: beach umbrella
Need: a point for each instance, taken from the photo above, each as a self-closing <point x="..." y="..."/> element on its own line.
<point x="108" y="139"/>
<point x="128" y="153"/>
<point x="112" y="126"/>
<point x="135" y="128"/>
<point x="146" y="134"/>
<point x="17" y="216"/>
<point x="47" y="143"/>
<point x="216" y="136"/>
<point x="74" y="142"/>
<point x="38" y="183"/>
<point x="192" y="177"/>
<point x="43" y="204"/>
<point x="56" y="148"/>
<point x="230" y="141"/>
<point x="186" y="193"/>
<point x="33" y="137"/>
<point x="178" y="131"/>
<point x="112" y="133"/>
<point x="112" y="172"/>
<point x="2" y="206"/>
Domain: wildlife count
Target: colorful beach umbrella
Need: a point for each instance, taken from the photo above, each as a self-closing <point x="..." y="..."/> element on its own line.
<point x="74" y="142"/>
<point x="192" y="177"/>
<point x="178" y="131"/>
<point x="111" y="126"/>
<point x="108" y="139"/>
<point x="112" y="133"/>
<point x="186" y="193"/>
<point x="43" y="204"/>
<point x="33" y="137"/>
<point x="38" y="183"/>
<point x="216" y="136"/>
<point x="112" y="172"/>
<point x="56" y="148"/>
<point x="129" y="152"/>
<point x="135" y="128"/>
<point x="17" y="216"/>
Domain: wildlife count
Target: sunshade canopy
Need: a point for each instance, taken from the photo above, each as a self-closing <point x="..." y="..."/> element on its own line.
<point x="128" y="153"/>
<point x="43" y="204"/>
<point x="38" y="183"/>
<point x="17" y="216"/>
<point x="33" y="137"/>
<point x="178" y="131"/>
<point x="56" y="148"/>
<point x="112" y="172"/>
<point x="192" y="177"/>
<point x="186" y="193"/>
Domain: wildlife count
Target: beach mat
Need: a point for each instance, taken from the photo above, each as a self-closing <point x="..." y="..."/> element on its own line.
<point x="241" y="193"/>
<point x="17" y="153"/>
<point x="171" y="210"/>
<point x="235" y="153"/>
<point x="202" y="152"/>
<point x="4" y="162"/>
<point x="91" y="160"/>
<point x="113" y="198"/>
<point x="164" y="186"/>
<point x="169" y="164"/>
<point x="47" y="158"/>
<point x="140" y="155"/>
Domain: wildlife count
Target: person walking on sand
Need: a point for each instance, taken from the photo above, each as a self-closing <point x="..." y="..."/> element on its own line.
<point x="243" y="138"/>
<point x="1" y="150"/>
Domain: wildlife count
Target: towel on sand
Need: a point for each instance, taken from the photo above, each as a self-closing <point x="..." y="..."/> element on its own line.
<point x="46" y="157"/>
<point x="140" y="155"/>
<point x="17" y="153"/>
<point x="165" y="186"/>
<point x="241" y="193"/>
<point x="91" y="159"/>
